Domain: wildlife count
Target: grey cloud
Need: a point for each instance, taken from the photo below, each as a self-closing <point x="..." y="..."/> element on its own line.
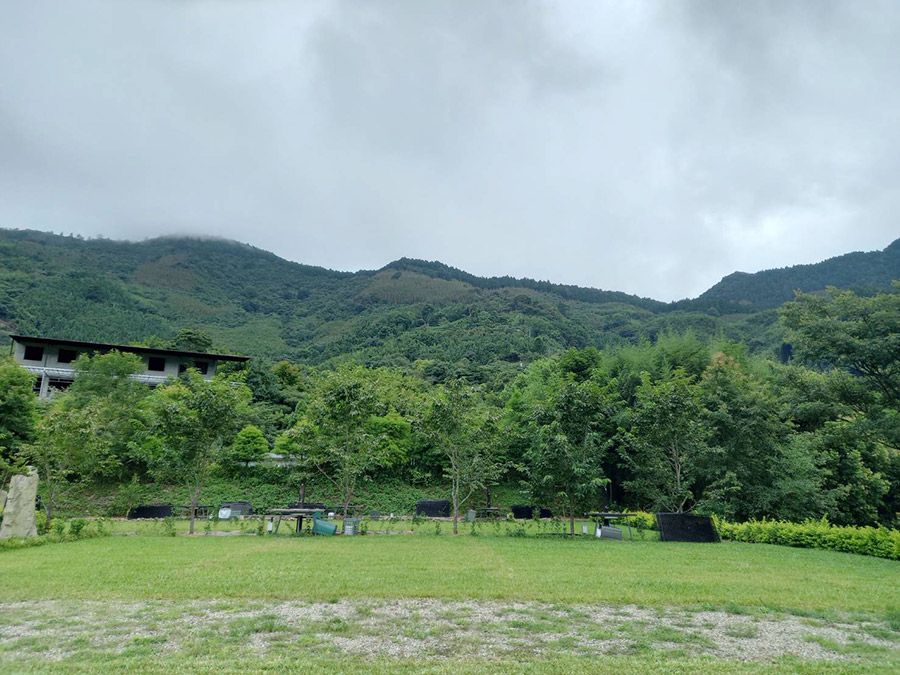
<point x="646" y="147"/>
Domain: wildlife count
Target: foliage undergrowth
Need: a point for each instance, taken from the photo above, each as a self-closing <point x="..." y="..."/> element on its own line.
<point x="78" y="528"/>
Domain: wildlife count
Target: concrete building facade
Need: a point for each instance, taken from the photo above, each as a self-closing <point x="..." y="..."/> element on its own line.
<point x="53" y="361"/>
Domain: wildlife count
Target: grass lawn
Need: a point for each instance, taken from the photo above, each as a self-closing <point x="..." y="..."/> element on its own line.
<point x="582" y="570"/>
<point x="174" y="576"/>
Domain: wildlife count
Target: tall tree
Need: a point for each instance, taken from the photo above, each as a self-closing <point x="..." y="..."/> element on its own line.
<point x="463" y="429"/>
<point x="854" y="487"/>
<point x="572" y="432"/>
<point x="349" y="432"/>
<point x="249" y="445"/>
<point x="756" y="470"/>
<point x="669" y="444"/>
<point x="860" y="481"/>
<point x="296" y="460"/>
<point x="107" y="399"/>
<point x="18" y="409"/>
<point x="191" y="423"/>
<point x="65" y="449"/>
<point x="860" y="336"/>
<point x="192" y="340"/>
<point x="86" y="432"/>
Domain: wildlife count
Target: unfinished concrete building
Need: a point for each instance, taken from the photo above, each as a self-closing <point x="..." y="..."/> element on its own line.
<point x="53" y="361"/>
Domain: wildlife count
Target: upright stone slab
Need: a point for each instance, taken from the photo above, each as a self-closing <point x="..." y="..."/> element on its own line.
<point x="18" y="516"/>
<point x="2" y="499"/>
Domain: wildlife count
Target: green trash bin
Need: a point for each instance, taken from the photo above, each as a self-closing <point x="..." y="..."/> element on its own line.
<point x="321" y="526"/>
<point x="351" y="527"/>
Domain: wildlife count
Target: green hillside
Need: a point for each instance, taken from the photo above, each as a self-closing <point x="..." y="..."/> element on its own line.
<point x="413" y="314"/>
<point x="862" y="272"/>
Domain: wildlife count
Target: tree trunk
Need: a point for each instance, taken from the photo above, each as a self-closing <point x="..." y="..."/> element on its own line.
<point x="302" y="493"/>
<point x="348" y="495"/>
<point x="455" y="506"/>
<point x="49" y="507"/>
<point x="676" y="464"/>
<point x="195" y="499"/>
<point x="572" y="521"/>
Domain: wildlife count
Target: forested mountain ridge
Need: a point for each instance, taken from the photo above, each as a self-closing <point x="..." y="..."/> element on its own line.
<point x="441" y="271"/>
<point x="863" y="272"/>
<point x="412" y="314"/>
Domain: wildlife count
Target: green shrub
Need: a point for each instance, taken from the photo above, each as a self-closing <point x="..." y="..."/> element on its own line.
<point x="879" y="541"/>
<point x="80" y="532"/>
<point x="167" y="526"/>
<point x="518" y="530"/>
<point x="642" y="520"/>
<point x="76" y="526"/>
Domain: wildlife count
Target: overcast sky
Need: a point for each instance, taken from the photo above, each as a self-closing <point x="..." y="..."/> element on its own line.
<point x="649" y="147"/>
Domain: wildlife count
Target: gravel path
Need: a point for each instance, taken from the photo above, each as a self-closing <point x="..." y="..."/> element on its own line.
<point x="429" y="629"/>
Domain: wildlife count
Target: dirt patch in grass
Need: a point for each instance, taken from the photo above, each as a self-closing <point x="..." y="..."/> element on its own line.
<point x="428" y="629"/>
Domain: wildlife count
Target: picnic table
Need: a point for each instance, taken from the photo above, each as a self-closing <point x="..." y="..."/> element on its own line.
<point x="298" y="514"/>
<point x="489" y="511"/>
<point x="606" y="517"/>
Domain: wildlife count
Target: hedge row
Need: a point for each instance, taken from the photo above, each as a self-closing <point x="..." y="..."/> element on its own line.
<point x="875" y="541"/>
<point x="880" y="542"/>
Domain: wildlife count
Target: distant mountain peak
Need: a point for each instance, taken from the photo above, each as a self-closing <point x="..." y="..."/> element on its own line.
<point x="771" y="288"/>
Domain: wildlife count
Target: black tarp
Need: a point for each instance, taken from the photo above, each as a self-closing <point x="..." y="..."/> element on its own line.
<point x="436" y="508"/>
<point x="150" y="511"/>
<point x="526" y="511"/>
<point x="686" y="527"/>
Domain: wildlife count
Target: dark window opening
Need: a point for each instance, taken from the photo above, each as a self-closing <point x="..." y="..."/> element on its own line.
<point x="202" y="366"/>
<point x="57" y="383"/>
<point x="156" y="363"/>
<point x="67" y="355"/>
<point x="33" y="353"/>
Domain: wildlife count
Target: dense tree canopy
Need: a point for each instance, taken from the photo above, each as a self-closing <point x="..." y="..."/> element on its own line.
<point x="463" y="430"/>
<point x="350" y="429"/>
<point x="18" y="408"/>
<point x="676" y="422"/>
<point x="190" y="424"/>
<point x="852" y="332"/>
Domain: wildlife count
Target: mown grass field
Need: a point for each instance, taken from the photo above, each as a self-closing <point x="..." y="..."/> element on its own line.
<point x="174" y="576"/>
<point x="487" y="567"/>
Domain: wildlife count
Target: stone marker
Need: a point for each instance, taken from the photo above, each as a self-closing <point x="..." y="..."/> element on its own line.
<point x="18" y="516"/>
